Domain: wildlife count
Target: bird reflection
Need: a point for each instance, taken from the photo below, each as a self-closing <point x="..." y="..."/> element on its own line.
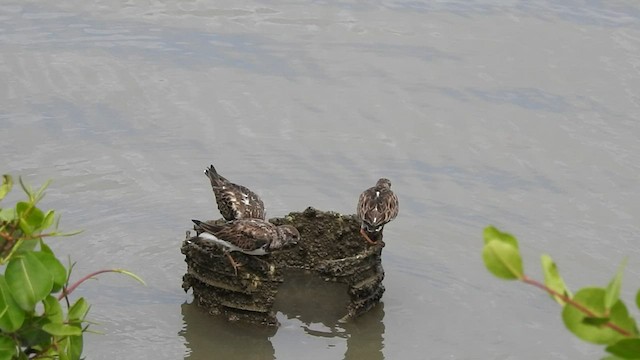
<point x="305" y="297"/>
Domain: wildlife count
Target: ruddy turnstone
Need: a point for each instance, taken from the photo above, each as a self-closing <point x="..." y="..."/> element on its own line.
<point x="250" y="236"/>
<point x="376" y="207"/>
<point x="234" y="201"/>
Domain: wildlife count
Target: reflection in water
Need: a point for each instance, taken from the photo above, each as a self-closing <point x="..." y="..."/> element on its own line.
<point x="302" y="299"/>
<point x="366" y="336"/>
<point x="471" y="105"/>
<point x="312" y="300"/>
<point x="209" y="337"/>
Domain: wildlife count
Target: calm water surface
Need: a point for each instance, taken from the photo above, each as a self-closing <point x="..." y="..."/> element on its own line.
<point x="520" y="114"/>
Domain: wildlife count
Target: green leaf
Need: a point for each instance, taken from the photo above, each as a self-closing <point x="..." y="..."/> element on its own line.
<point x="613" y="289"/>
<point x="552" y="278"/>
<point x="130" y="274"/>
<point x="31" y="217"/>
<point x="24" y="246"/>
<point x="51" y="353"/>
<point x="11" y="315"/>
<point x="33" y="335"/>
<point x="593" y="300"/>
<point x="34" y="197"/>
<point x="72" y="347"/>
<point x="26" y="188"/>
<point x="7" y="184"/>
<point x="54" y="266"/>
<point x="59" y="329"/>
<point x="53" y="310"/>
<point x="8" y="214"/>
<point x="28" y="280"/>
<point x="24" y="226"/>
<point x="8" y="355"/>
<point x="638" y="299"/>
<point x="503" y="260"/>
<point x="40" y="193"/>
<point x="8" y="348"/>
<point x="45" y="248"/>
<point x="626" y="348"/>
<point x="491" y="233"/>
<point x="78" y="310"/>
<point x="48" y="220"/>
<point x="71" y="233"/>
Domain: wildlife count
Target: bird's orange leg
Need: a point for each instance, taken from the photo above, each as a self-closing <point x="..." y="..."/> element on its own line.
<point x="366" y="237"/>
<point x="234" y="263"/>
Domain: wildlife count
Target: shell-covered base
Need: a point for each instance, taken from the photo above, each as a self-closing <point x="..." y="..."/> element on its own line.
<point x="330" y="245"/>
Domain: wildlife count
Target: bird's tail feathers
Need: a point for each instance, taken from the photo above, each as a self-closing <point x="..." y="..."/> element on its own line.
<point x="201" y="226"/>
<point x="215" y="178"/>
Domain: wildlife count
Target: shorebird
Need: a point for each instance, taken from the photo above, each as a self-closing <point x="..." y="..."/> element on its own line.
<point x="376" y="207"/>
<point x="234" y="201"/>
<point x="249" y="236"/>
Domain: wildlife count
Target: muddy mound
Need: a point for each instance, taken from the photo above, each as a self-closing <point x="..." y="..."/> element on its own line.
<point x="330" y="246"/>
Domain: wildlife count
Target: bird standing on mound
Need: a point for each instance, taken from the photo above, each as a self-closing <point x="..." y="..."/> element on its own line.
<point x="249" y="236"/>
<point x="376" y="207"/>
<point x="234" y="201"/>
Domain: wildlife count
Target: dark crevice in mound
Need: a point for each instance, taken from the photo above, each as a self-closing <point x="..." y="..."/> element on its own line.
<point x="330" y="246"/>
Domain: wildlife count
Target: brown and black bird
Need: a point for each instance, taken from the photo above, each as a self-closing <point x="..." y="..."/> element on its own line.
<point x="249" y="236"/>
<point x="234" y="201"/>
<point x="376" y="207"/>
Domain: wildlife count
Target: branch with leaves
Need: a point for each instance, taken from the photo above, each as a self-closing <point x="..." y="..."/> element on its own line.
<point x="596" y="315"/>
<point x="32" y="275"/>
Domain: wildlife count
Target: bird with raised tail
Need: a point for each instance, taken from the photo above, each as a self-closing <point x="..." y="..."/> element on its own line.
<point x="377" y="206"/>
<point x="234" y="201"/>
<point x="249" y="236"/>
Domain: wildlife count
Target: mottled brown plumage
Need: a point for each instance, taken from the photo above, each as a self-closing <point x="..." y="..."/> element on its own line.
<point x="376" y="207"/>
<point x="234" y="201"/>
<point x="250" y="236"/>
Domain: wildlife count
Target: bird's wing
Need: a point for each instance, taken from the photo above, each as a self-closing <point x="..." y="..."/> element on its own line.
<point x="377" y="207"/>
<point x="248" y="234"/>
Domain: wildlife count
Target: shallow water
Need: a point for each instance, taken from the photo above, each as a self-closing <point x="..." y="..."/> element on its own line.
<point x="523" y="115"/>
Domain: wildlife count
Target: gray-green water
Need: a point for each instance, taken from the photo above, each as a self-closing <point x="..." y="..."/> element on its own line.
<point x="520" y="114"/>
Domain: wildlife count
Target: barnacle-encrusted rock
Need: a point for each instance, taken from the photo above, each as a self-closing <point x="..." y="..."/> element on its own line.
<point x="330" y="246"/>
